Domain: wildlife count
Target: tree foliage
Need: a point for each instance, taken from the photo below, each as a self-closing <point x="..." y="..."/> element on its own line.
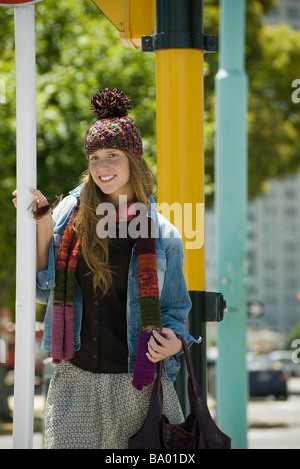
<point x="272" y="56"/>
<point x="78" y="51"/>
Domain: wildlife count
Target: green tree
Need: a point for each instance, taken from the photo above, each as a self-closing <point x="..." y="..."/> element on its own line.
<point x="79" y="51"/>
<point x="295" y="332"/>
<point x="272" y="56"/>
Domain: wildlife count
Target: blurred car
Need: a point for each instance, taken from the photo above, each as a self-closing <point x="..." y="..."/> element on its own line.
<point x="283" y="359"/>
<point x="265" y="379"/>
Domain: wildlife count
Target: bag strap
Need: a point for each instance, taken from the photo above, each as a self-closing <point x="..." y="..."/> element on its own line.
<point x="197" y="400"/>
<point x="196" y="397"/>
<point x="188" y="361"/>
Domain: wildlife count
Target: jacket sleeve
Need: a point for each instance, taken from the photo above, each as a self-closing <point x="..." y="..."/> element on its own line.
<point x="175" y="299"/>
<point x="45" y="278"/>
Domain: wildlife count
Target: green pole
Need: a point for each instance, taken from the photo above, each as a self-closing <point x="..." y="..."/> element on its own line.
<point x="231" y="213"/>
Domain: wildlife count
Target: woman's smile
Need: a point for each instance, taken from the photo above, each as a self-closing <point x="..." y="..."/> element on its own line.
<point x="107" y="178"/>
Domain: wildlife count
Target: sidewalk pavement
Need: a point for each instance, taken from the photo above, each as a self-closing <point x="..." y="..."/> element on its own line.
<point x="256" y="418"/>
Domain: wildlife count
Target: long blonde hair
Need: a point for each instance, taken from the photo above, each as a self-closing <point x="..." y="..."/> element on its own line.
<point x="95" y="249"/>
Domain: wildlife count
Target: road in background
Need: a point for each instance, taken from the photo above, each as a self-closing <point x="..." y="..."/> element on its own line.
<point x="275" y="424"/>
<point x="272" y="424"/>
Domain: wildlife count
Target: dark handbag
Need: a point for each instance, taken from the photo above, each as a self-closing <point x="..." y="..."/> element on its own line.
<point x="198" y="431"/>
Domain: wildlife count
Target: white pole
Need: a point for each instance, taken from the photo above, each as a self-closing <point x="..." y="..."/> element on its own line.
<point x="26" y="230"/>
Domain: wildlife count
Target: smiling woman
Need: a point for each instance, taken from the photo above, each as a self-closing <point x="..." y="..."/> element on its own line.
<point x="112" y="313"/>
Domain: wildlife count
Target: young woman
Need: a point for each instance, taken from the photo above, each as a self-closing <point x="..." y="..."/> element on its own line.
<point x="109" y="268"/>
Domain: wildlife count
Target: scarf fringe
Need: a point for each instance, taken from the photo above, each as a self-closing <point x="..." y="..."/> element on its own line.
<point x="144" y="370"/>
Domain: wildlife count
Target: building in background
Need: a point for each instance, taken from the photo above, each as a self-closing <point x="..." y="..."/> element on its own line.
<point x="273" y="254"/>
<point x="273" y="239"/>
<point x="285" y="12"/>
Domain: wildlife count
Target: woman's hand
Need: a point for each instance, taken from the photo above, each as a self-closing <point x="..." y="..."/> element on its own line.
<point x="44" y="226"/>
<point x="14" y="201"/>
<point x="167" y="346"/>
<point x="40" y="199"/>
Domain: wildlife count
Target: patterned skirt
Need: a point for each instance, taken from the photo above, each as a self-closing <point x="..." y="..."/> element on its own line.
<point x="85" y="410"/>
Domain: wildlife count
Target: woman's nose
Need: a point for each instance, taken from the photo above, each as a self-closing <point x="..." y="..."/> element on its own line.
<point x="103" y="162"/>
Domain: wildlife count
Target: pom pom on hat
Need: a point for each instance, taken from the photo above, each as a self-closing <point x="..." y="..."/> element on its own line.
<point x="110" y="103"/>
<point x="112" y="127"/>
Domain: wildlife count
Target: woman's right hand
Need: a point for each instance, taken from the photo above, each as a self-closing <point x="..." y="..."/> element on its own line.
<point x="44" y="227"/>
<point x="14" y="201"/>
<point x="40" y="199"/>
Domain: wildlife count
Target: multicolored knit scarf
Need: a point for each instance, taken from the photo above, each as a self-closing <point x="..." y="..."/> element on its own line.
<point x="62" y="334"/>
<point x="62" y="345"/>
<point x="144" y="370"/>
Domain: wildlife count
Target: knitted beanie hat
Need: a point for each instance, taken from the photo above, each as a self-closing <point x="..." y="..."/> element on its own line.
<point x="112" y="127"/>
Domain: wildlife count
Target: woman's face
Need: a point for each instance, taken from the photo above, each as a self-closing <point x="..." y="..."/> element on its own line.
<point x="110" y="171"/>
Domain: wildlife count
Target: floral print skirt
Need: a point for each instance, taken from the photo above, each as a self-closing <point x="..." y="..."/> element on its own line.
<point x="86" y="410"/>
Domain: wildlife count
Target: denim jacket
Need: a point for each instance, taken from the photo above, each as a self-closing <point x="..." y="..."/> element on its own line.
<point x="174" y="298"/>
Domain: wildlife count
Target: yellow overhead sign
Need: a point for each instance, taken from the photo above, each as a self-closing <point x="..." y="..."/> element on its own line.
<point x="132" y="18"/>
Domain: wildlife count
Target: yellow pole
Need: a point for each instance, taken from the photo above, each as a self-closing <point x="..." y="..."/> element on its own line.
<point x="179" y="44"/>
<point x="180" y="151"/>
<point x="180" y="175"/>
